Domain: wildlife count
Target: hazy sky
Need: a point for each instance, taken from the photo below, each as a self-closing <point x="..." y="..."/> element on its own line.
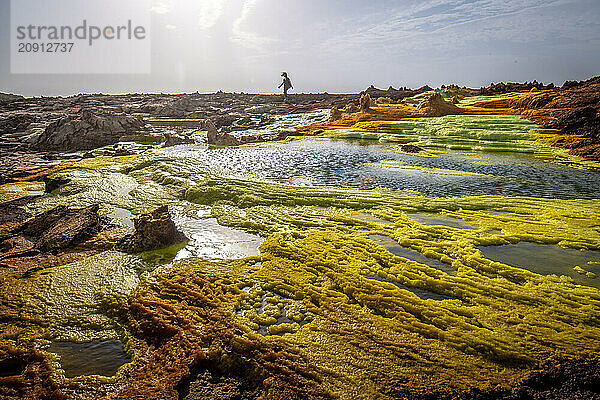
<point x="343" y="46"/>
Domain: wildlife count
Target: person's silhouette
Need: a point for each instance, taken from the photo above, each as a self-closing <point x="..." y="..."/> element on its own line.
<point x="287" y="84"/>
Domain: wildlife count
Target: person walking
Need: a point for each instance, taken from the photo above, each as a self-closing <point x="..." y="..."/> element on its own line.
<point x="287" y="84"/>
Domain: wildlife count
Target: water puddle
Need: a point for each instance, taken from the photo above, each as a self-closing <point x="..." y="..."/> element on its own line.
<point x="343" y="163"/>
<point x="93" y="358"/>
<point x="547" y="260"/>
<point x="422" y="294"/>
<point x="208" y="239"/>
<point x="122" y="217"/>
<point x="393" y="247"/>
<point x="440" y="219"/>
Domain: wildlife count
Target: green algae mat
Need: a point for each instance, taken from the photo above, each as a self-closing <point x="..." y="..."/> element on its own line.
<point x="316" y="269"/>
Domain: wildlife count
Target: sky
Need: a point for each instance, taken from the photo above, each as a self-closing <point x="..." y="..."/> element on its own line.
<point x="342" y="46"/>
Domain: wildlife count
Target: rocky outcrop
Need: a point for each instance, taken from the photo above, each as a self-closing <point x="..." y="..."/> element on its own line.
<point x="83" y="122"/>
<point x="62" y="227"/>
<point x="43" y="240"/>
<point x="573" y="109"/>
<point x="365" y="103"/>
<point x="9" y="97"/>
<point x="13" y="211"/>
<point x="12" y="123"/>
<point x="501" y="87"/>
<point x="394" y="94"/>
<point x="434" y="105"/>
<point x="559" y="380"/>
<point x="410" y="148"/>
<point x="89" y="131"/>
<point x="155" y="230"/>
<point x="335" y="114"/>
<point x="214" y="137"/>
<point x="350" y="108"/>
<point x="51" y="183"/>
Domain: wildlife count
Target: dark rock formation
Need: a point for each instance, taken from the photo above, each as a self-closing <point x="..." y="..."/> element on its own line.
<point x="155" y="230"/>
<point x="31" y="128"/>
<point x="350" y="108"/>
<point x="410" y="148"/>
<point x="501" y="87"/>
<point x="71" y="227"/>
<point x="40" y="241"/>
<point x="89" y="130"/>
<point x="12" y="123"/>
<point x="211" y="132"/>
<point x="574" y="84"/>
<point x="394" y="94"/>
<point x="566" y="379"/>
<point x="12" y="211"/>
<point x="8" y="97"/>
<point x="54" y="182"/>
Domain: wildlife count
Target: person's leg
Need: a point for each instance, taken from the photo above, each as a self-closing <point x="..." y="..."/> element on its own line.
<point x="285" y="96"/>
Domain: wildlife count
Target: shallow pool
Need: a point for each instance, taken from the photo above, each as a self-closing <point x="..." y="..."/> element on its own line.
<point x="548" y="260"/>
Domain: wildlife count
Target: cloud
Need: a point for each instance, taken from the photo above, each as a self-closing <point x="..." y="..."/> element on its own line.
<point x="210" y="12"/>
<point x="160" y="8"/>
<point x="247" y="38"/>
<point x="443" y="25"/>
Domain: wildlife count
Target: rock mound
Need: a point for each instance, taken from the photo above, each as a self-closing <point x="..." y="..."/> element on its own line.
<point x="214" y="137"/>
<point x="89" y="131"/>
<point x="394" y="94"/>
<point x="153" y="231"/>
<point x="501" y="87"/>
<point x="40" y="241"/>
<point x="335" y="114"/>
<point x="365" y="102"/>
<point x="410" y="148"/>
<point x="434" y="105"/>
<point x="8" y="97"/>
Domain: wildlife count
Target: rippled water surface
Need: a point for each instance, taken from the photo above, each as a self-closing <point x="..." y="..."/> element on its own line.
<point x="346" y="164"/>
<point x="93" y="358"/>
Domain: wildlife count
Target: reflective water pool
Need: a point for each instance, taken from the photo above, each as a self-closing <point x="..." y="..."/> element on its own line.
<point x="343" y="163"/>
<point x="93" y="358"/>
<point x="547" y="260"/>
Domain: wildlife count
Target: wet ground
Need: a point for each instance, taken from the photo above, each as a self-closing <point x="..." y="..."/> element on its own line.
<point x="400" y="230"/>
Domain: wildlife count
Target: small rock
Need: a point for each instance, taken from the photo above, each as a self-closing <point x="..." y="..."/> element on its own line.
<point x="153" y="231"/>
<point x="410" y="148"/>
<point x="211" y="131"/>
<point x="54" y="182"/>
